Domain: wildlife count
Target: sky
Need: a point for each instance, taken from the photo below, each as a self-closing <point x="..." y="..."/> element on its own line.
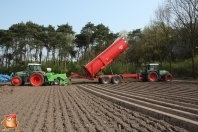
<point x="117" y="15"/>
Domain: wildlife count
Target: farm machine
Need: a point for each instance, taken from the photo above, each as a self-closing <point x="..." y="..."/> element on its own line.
<point x="37" y="77"/>
<point x="151" y="72"/>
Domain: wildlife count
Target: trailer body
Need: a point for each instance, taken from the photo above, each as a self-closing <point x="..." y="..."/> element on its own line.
<point x="103" y="60"/>
<point x="106" y="57"/>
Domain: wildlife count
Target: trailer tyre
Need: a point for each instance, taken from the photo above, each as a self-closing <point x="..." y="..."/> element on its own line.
<point x="152" y="77"/>
<point x="16" y="81"/>
<point x="168" y="78"/>
<point x="105" y="80"/>
<point x="116" y="79"/>
<point x="36" y="79"/>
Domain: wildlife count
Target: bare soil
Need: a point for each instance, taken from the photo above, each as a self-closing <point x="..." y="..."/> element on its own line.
<point x="74" y="109"/>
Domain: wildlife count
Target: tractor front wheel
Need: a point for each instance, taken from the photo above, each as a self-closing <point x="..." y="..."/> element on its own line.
<point x="152" y="77"/>
<point x="36" y="79"/>
<point x="16" y="81"/>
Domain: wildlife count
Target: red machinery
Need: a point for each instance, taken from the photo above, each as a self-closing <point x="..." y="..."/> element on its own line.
<point x="104" y="59"/>
<point x="152" y="72"/>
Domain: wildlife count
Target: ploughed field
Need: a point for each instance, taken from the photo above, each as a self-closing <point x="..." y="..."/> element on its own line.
<point x="93" y="107"/>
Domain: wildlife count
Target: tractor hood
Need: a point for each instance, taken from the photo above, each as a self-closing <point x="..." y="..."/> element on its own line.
<point x="163" y="72"/>
<point x="20" y="73"/>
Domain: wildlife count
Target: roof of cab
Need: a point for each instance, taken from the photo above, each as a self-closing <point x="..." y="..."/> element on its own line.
<point x="153" y="64"/>
<point x="33" y="64"/>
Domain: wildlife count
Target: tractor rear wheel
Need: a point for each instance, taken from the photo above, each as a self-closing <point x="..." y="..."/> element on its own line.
<point x="152" y="77"/>
<point x="36" y="79"/>
<point x="105" y="80"/>
<point x="116" y="79"/>
<point x="16" y="81"/>
<point x="168" y="78"/>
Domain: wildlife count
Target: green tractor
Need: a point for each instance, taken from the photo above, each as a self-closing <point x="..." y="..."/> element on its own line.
<point x="37" y="77"/>
<point x="153" y="73"/>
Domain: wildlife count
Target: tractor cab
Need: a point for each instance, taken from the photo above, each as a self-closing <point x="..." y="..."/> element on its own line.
<point x="33" y="67"/>
<point x="152" y="67"/>
<point x="150" y="72"/>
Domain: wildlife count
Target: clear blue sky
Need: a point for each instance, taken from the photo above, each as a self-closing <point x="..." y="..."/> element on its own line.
<point x="116" y="14"/>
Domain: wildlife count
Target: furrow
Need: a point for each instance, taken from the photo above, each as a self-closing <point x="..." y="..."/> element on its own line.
<point x="123" y="121"/>
<point x="165" y="88"/>
<point x="39" y="126"/>
<point x="136" y="121"/>
<point x="73" y="113"/>
<point x="154" y="97"/>
<point x="58" y="122"/>
<point x="163" y="102"/>
<point x="64" y="106"/>
<point x="153" y="104"/>
<point x="33" y="120"/>
<point x="173" y="96"/>
<point x="49" y="122"/>
<point x="186" y="123"/>
<point x="27" y="108"/>
<point x="87" y="116"/>
<point x="11" y="105"/>
<point x="91" y="112"/>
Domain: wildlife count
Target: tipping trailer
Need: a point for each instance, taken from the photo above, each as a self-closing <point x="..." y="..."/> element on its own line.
<point x="103" y="60"/>
<point x="108" y="55"/>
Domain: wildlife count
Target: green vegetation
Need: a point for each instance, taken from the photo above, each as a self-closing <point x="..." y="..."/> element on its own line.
<point x="182" y="69"/>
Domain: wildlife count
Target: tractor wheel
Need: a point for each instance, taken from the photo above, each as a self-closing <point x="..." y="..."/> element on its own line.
<point x="116" y="79"/>
<point x="168" y="78"/>
<point x="105" y="80"/>
<point x="36" y="79"/>
<point x="56" y="82"/>
<point x="152" y="77"/>
<point x="16" y="81"/>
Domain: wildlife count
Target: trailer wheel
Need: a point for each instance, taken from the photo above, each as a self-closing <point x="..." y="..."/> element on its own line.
<point x="16" y="81"/>
<point x="168" y="78"/>
<point x="36" y="79"/>
<point x="152" y="77"/>
<point x="116" y="79"/>
<point x="56" y="82"/>
<point x="105" y="80"/>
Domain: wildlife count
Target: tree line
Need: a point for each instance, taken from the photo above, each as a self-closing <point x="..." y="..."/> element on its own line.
<point x="170" y="37"/>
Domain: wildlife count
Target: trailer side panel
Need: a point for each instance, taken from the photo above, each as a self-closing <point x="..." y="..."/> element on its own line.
<point x="106" y="57"/>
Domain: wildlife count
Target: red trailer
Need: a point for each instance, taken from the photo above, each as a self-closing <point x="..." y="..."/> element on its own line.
<point x="103" y="60"/>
